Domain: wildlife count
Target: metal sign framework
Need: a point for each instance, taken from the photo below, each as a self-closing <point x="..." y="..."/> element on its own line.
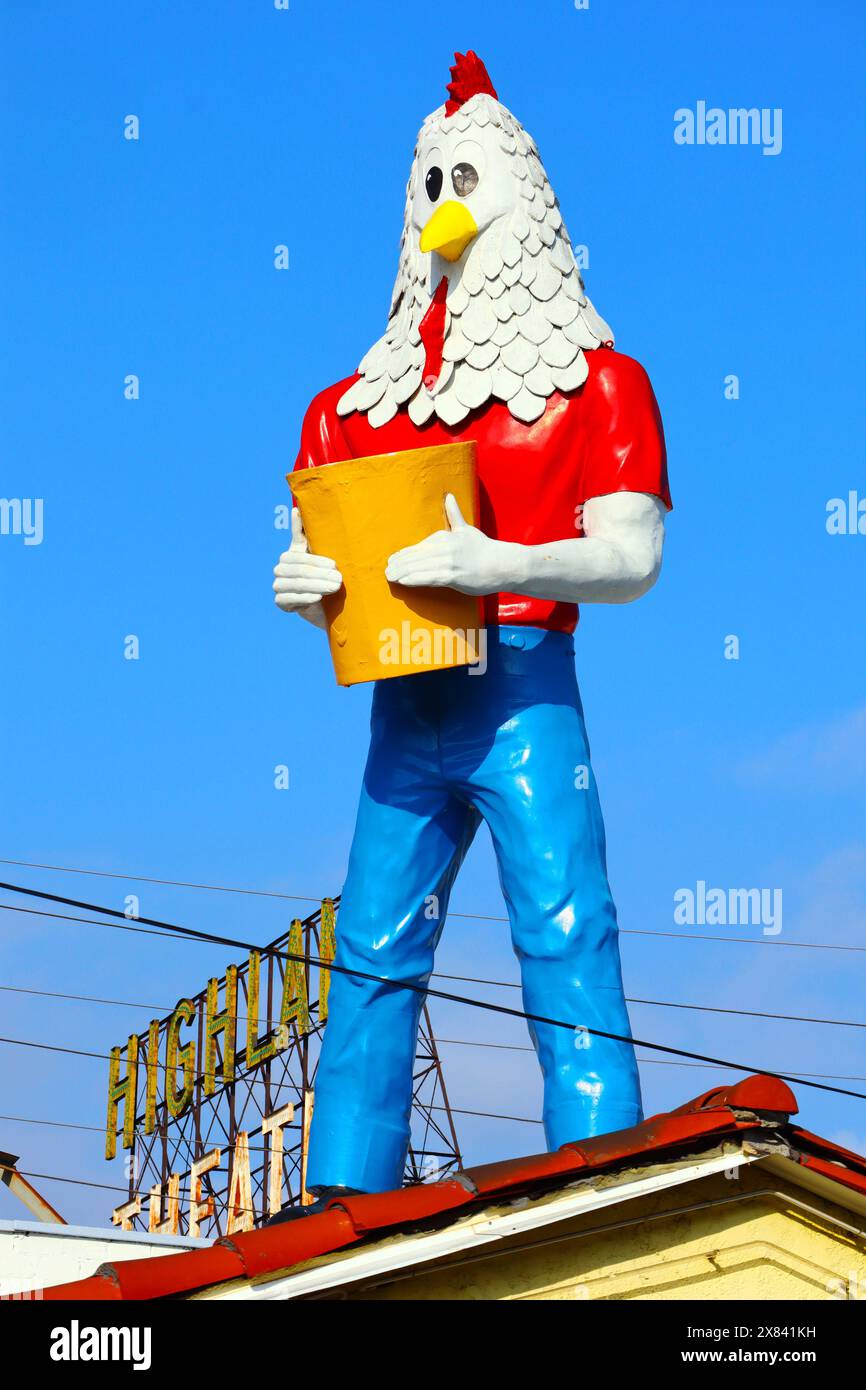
<point x="162" y="1160"/>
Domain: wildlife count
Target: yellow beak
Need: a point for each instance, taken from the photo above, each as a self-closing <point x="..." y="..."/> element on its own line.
<point x="449" y="231"/>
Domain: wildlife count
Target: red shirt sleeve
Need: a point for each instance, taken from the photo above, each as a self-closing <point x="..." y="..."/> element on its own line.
<point x="626" y="442"/>
<point x="321" y="433"/>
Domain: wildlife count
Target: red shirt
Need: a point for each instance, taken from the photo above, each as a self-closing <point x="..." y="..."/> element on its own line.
<point x="605" y="437"/>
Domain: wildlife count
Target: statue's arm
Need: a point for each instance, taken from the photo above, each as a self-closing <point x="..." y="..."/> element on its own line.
<point x="617" y="559"/>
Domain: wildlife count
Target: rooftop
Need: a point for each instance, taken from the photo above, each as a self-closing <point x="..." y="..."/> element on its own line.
<point x="741" y="1123"/>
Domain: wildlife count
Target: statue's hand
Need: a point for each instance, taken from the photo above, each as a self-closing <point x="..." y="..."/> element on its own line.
<point x="302" y="580"/>
<point x="461" y="558"/>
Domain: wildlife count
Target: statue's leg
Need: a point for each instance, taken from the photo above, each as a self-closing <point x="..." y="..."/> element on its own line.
<point x="410" y="838"/>
<point x="535" y="788"/>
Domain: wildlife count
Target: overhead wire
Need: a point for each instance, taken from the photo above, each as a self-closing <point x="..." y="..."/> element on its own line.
<point x="498" y="984"/>
<point x="469" y="916"/>
<point x="426" y="991"/>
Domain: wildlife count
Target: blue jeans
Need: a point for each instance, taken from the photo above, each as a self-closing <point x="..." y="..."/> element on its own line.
<point x="449" y="749"/>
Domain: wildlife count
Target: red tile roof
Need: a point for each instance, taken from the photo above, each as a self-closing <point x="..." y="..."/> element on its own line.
<point x="726" y="1110"/>
<point x="830" y="1159"/>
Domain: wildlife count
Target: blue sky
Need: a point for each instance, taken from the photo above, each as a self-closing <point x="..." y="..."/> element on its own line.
<point x="261" y="127"/>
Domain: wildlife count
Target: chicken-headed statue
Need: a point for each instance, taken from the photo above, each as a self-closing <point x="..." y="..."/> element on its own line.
<point x="492" y="338"/>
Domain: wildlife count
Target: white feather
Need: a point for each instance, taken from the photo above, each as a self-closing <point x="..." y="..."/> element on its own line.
<point x="400" y="360"/>
<point x="520" y="356"/>
<point x="484" y="354"/>
<point x="579" y="332"/>
<point x="506" y="383"/>
<point x="596" y="322"/>
<point x="510" y="248"/>
<point x="505" y="331"/>
<point x="520" y="225"/>
<point x="547" y="281"/>
<point x="520" y="299"/>
<point x="558" y="351"/>
<point x="421" y="407"/>
<point x="450" y="408"/>
<point x="456" y="346"/>
<point x="406" y="386"/>
<point x="458" y="299"/>
<point x="444" y="378"/>
<point x="570" y="377"/>
<point x="528" y="270"/>
<point x="473" y="387"/>
<point x="562" y="256"/>
<point x="383" y="412"/>
<point x="561" y="310"/>
<point x="366" y="392"/>
<point x="535" y="326"/>
<point x="491" y="258"/>
<point x="479" y="321"/>
<point x="473" y="276"/>
<point x="375" y="360"/>
<point x="539" y="381"/>
<point x="525" y="406"/>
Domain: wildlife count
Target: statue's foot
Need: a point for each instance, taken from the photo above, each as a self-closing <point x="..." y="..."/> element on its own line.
<point x="326" y="1195"/>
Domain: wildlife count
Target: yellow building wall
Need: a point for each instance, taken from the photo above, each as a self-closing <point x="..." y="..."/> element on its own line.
<point x="737" y="1241"/>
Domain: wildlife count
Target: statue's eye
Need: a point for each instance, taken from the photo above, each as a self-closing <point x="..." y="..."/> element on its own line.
<point x="464" y="177"/>
<point x="433" y="183"/>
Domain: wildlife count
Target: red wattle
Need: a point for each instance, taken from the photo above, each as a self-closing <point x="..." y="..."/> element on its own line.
<point x="432" y="331"/>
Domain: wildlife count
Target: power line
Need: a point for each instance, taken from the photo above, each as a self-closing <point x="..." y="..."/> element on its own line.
<point x="645" y="1061"/>
<point x="668" y="1004"/>
<point x="701" y="1066"/>
<point x="487" y="1115"/>
<point x="88" y="921"/>
<point x="51" y="1124"/>
<point x="479" y="1114"/>
<point x="743" y="940"/>
<point x="166" y="882"/>
<point x="748" y="1013"/>
<point x="65" y="1051"/>
<point x="114" y="1003"/>
<point x="498" y="984"/>
<point x="71" y="1051"/>
<point x="425" y="992"/>
<point x="55" y="1047"/>
<point x="467" y="916"/>
<point x="100" y="1129"/>
<point x="453" y="1042"/>
<point x="76" y="1182"/>
<point x="467" y="1042"/>
<point x="85" y="999"/>
<point x="88" y="1182"/>
<point x="483" y="1114"/>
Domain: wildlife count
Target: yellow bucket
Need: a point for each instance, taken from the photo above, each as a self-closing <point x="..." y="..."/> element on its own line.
<point x="359" y="513"/>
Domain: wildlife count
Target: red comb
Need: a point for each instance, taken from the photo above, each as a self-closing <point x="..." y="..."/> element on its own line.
<point x="469" y="76"/>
